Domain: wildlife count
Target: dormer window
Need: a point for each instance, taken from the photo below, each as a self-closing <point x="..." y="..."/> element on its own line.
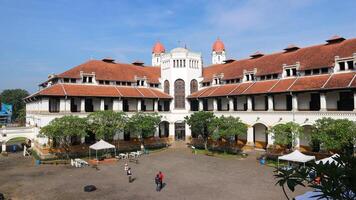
<point x="344" y="64"/>
<point x="249" y="75"/>
<point x="290" y="70"/>
<point x="87" y="77"/>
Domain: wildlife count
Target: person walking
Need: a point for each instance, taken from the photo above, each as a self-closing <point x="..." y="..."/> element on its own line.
<point x="126" y="167"/>
<point x="129" y="174"/>
<point x="161" y="176"/>
<point x="157" y="181"/>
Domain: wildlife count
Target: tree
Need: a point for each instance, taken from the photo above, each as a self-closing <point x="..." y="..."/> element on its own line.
<point x="105" y="124"/>
<point x="286" y="134"/>
<point x="335" y="134"/>
<point x="199" y="122"/>
<point x="143" y="125"/>
<point x="227" y="127"/>
<point x="15" y="97"/>
<point x="63" y="128"/>
<point x="337" y="179"/>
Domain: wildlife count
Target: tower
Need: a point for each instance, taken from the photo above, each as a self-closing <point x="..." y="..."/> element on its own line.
<point x="218" y="54"/>
<point x="157" y="51"/>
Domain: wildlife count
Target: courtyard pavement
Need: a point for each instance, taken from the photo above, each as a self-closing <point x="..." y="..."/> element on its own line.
<point x="187" y="176"/>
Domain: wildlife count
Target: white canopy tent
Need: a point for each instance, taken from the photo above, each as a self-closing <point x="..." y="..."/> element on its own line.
<point x="101" y="145"/>
<point x="329" y="160"/>
<point x="296" y="156"/>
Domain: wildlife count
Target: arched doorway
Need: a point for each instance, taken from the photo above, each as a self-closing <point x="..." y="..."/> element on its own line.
<point x="14" y="144"/>
<point x="305" y="140"/>
<point x="179" y="131"/>
<point x="163" y="129"/>
<point x="179" y="94"/>
<point x="166" y="86"/>
<point x="260" y="136"/>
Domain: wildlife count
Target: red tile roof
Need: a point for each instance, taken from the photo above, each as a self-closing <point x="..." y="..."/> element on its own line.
<point x="100" y="91"/>
<point x="309" y="83"/>
<point x="339" y="80"/>
<point x="114" y="71"/>
<point x="306" y="83"/>
<point x="260" y="87"/>
<point x="312" y="57"/>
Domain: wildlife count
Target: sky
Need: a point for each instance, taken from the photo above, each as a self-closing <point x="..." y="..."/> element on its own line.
<point x="38" y="38"/>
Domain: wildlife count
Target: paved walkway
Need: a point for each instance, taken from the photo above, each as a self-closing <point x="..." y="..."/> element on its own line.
<point x="188" y="176"/>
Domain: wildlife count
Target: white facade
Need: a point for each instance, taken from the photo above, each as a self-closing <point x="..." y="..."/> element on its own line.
<point x="259" y="112"/>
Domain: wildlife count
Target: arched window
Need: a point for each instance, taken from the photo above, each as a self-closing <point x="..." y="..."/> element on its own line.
<point x="166" y="86"/>
<point x="193" y="86"/>
<point x="179" y="93"/>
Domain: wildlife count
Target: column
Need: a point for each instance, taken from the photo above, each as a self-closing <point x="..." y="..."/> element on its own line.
<point x="249" y="103"/>
<point x="355" y="101"/>
<point x="270" y="140"/>
<point x="138" y="104"/>
<point x="82" y="105"/>
<point x="171" y="130"/>
<point x="297" y="142"/>
<point x="45" y="104"/>
<point x="322" y="101"/>
<point x="171" y="105"/>
<point x="270" y="103"/>
<point x="82" y="140"/>
<point x="117" y="105"/>
<point x="201" y="105"/>
<point x="157" y="132"/>
<point x="188" y="132"/>
<point x="155" y="105"/>
<point x="64" y="105"/>
<point x="231" y="104"/>
<point x="294" y="102"/>
<point x="102" y="104"/>
<point x="215" y="104"/>
<point x="3" y="147"/>
<point x="250" y="141"/>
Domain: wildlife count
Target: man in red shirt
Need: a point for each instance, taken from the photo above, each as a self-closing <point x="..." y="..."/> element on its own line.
<point x="161" y="176"/>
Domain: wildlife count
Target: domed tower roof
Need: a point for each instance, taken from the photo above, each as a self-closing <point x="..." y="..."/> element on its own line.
<point x="158" y="48"/>
<point x="218" y="46"/>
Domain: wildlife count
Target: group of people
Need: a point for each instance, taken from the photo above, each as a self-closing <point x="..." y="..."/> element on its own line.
<point x="158" y="179"/>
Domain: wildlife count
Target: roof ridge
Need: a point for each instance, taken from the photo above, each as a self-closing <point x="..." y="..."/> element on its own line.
<point x="64" y="90"/>
<point x="248" y="87"/>
<point x="205" y="90"/>
<point x="139" y="91"/>
<point x="213" y="91"/>
<point x="353" y="78"/>
<point x="153" y="93"/>
<point x="326" y="82"/>
<point x="238" y="85"/>
<point x="274" y="85"/>
<point x="292" y="83"/>
<point x="117" y="89"/>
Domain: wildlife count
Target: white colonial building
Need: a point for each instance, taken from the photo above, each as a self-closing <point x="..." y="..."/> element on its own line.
<point x="296" y="84"/>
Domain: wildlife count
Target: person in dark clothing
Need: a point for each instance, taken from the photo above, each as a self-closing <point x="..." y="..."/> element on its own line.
<point x="161" y="176"/>
<point x="158" y="183"/>
<point x="129" y="174"/>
